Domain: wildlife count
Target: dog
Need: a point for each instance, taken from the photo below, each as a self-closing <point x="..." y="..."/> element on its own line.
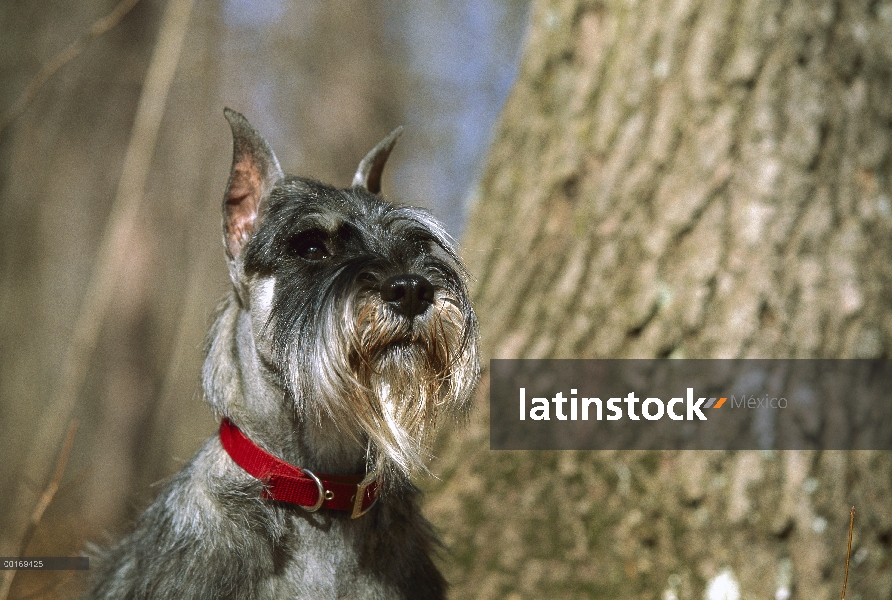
<point x="347" y="338"/>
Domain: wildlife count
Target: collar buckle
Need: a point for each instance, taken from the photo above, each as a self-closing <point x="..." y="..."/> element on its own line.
<point x="360" y="496"/>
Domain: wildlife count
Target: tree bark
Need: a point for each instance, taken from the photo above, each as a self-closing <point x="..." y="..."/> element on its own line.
<point x="682" y="179"/>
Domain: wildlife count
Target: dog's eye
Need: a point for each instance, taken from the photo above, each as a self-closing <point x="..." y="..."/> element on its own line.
<point x="308" y="246"/>
<point x="314" y="252"/>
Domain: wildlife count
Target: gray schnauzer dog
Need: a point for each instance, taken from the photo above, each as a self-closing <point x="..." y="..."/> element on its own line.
<point x="347" y="337"/>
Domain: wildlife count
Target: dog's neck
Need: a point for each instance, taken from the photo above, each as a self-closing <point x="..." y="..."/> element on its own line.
<point x="252" y="396"/>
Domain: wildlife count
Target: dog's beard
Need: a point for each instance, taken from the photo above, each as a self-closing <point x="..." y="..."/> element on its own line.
<point x="386" y="380"/>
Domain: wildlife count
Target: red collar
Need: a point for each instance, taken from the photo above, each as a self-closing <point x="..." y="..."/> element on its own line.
<point x="287" y="483"/>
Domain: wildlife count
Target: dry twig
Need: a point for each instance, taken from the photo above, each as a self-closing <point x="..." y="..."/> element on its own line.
<point x="112" y="251"/>
<point x="43" y="503"/>
<point x="63" y="58"/>
<point x="849" y="552"/>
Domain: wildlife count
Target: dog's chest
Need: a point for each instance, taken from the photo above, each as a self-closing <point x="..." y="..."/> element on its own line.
<point x="323" y="560"/>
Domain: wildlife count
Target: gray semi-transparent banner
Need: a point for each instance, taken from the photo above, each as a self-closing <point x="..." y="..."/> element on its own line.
<point x="674" y="404"/>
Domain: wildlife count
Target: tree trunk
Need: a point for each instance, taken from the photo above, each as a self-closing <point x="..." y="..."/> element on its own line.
<point x="682" y="179"/>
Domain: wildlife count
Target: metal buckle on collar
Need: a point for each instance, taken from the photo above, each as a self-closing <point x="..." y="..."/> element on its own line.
<point x="321" y="499"/>
<point x="360" y="496"/>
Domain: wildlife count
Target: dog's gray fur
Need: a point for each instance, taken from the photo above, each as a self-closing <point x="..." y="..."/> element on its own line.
<point x="310" y="360"/>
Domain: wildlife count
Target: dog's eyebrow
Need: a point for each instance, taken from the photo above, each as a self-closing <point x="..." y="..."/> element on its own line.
<point x="329" y="224"/>
<point x="421" y="227"/>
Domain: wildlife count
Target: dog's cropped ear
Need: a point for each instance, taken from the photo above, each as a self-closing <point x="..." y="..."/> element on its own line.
<point x="368" y="174"/>
<point x="255" y="169"/>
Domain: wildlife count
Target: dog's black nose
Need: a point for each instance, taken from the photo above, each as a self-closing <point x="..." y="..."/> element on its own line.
<point x="408" y="294"/>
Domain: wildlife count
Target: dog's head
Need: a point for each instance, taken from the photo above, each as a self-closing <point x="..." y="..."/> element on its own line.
<point x="358" y="307"/>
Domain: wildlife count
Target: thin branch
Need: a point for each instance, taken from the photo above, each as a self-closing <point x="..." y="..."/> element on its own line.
<point x="112" y="252"/>
<point x="43" y="503"/>
<point x="849" y="552"/>
<point x="64" y="57"/>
